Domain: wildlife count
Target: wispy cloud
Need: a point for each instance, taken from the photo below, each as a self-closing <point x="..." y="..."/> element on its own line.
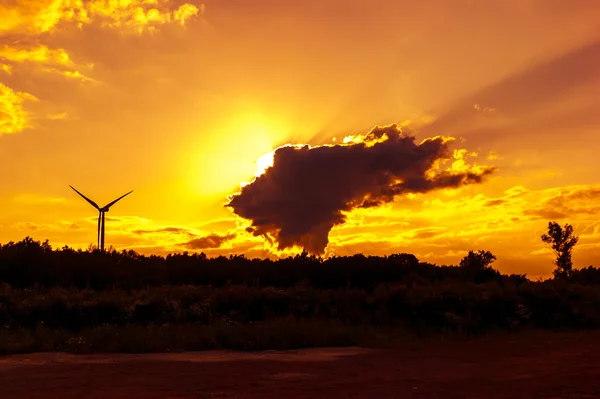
<point x="58" y="116"/>
<point x="38" y="199"/>
<point x="171" y="230"/>
<point x="60" y="226"/>
<point x="39" y="54"/>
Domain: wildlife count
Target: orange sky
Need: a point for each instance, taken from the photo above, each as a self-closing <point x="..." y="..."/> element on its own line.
<point x="178" y="101"/>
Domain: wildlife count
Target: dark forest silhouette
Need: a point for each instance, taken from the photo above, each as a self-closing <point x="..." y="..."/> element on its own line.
<point x="31" y="263"/>
<point x="90" y="300"/>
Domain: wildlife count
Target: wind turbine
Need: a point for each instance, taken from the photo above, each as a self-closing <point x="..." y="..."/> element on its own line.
<point x="102" y="211"/>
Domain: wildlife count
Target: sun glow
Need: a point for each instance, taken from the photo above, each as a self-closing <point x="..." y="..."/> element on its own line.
<point x="238" y="150"/>
<point x="264" y="162"/>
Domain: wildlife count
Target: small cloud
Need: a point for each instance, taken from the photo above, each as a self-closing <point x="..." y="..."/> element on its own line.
<point x="172" y="230"/>
<point x="495" y="202"/>
<point x="57" y="117"/>
<point x="548" y="214"/>
<point x="38" y="199"/>
<point x="59" y="226"/>
<point x="516" y="191"/>
<point x="76" y="75"/>
<point x="493" y="155"/>
<point x="547" y="174"/>
<point x="186" y="12"/>
<point x="210" y="241"/>
<point x="486" y="110"/>
<point x="427" y="233"/>
<point x="28" y="226"/>
<point x="542" y="251"/>
<point x="122" y="221"/>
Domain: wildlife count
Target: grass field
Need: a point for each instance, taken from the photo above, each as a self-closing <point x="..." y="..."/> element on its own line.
<point x="527" y="365"/>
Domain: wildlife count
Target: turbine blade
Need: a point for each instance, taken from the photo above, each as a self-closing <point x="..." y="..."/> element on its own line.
<point x="115" y="201"/>
<point x="86" y="198"/>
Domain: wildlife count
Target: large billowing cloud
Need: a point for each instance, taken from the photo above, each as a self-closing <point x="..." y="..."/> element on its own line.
<point x="307" y="191"/>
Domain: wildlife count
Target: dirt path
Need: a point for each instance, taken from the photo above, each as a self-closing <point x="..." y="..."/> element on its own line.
<point x="534" y="366"/>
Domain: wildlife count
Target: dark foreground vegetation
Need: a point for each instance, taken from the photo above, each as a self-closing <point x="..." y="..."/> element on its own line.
<point x="89" y="301"/>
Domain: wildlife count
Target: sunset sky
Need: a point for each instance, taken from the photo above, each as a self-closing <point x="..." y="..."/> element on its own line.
<point x="180" y="101"/>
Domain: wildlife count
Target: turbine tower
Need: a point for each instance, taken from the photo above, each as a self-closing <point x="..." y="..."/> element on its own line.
<point x="101" y="211"/>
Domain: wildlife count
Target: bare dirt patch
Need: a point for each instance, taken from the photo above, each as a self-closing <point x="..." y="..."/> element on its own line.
<point x="533" y="365"/>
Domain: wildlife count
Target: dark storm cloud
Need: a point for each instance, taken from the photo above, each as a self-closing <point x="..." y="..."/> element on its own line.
<point x="307" y="191"/>
<point x="210" y="241"/>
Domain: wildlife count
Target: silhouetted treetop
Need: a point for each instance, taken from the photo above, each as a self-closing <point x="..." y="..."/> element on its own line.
<point x="562" y="242"/>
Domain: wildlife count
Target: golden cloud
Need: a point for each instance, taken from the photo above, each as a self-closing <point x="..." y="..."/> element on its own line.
<point x="74" y="75"/>
<point x="52" y="60"/>
<point x="13" y="117"/>
<point x="41" y="54"/>
<point x="39" y="16"/>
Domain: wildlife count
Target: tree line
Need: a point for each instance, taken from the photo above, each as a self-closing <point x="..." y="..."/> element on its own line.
<point x="30" y="263"/>
<point x="89" y="300"/>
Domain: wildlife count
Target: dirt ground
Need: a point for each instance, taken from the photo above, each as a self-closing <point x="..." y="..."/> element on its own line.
<point x="540" y="365"/>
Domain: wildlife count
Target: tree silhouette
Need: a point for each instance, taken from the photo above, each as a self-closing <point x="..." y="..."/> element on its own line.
<point x="476" y="266"/>
<point x="562" y="242"/>
<point x="478" y="260"/>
